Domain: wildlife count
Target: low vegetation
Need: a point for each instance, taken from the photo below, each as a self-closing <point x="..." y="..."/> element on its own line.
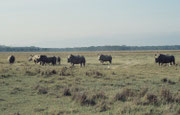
<point x="132" y="84"/>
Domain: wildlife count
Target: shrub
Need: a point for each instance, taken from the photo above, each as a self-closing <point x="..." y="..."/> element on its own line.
<point x="48" y="73"/>
<point x="16" y="90"/>
<point x="64" y="72"/>
<point x="95" y="74"/>
<point x="177" y="98"/>
<point x="5" y="76"/>
<point x="171" y="82"/>
<point x="67" y="92"/>
<point x="151" y="99"/>
<point x="103" y="106"/>
<point x="42" y="90"/>
<point x="84" y="99"/>
<point x="100" y="95"/>
<point x="120" y="97"/>
<point x="178" y="112"/>
<point x="30" y="73"/>
<point x="166" y="95"/>
<point x="164" y="80"/>
<point x="124" y="94"/>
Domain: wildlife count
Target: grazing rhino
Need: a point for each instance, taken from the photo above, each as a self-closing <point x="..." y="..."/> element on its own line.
<point x="43" y="59"/>
<point x="162" y="59"/>
<point x="77" y="60"/>
<point x="11" y="59"/>
<point x="104" y="58"/>
<point x="58" y="60"/>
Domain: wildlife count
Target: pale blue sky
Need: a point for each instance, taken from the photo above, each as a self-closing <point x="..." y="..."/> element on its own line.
<point x="75" y="23"/>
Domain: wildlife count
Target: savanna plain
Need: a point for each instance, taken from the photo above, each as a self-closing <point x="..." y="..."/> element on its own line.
<point x="132" y="84"/>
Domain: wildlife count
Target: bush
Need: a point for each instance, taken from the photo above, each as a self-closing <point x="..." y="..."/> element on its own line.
<point x="166" y="95"/>
<point x="103" y="106"/>
<point x="120" y="97"/>
<point x="30" y="73"/>
<point x="42" y="90"/>
<point x="16" y="90"/>
<point x="48" y="73"/>
<point x="84" y="99"/>
<point x="95" y="74"/>
<point x="151" y="99"/>
<point x="64" y="72"/>
<point x="124" y="94"/>
<point x="5" y="76"/>
<point x="164" y="80"/>
<point x="100" y="95"/>
<point x="171" y="82"/>
<point x="67" y="92"/>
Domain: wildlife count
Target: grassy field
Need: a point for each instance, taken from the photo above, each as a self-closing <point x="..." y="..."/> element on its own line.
<point x="132" y="84"/>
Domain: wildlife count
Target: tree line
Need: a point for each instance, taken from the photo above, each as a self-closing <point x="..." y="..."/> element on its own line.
<point x="91" y="48"/>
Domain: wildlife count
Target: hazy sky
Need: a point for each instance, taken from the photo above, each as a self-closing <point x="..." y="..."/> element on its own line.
<point x="75" y="23"/>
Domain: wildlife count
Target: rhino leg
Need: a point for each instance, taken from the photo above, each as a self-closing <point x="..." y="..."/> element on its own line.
<point x="42" y="63"/>
<point x="110" y="61"/>
<point x="174" y="63"/>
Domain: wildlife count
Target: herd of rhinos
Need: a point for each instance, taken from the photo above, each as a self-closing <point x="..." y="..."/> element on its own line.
<point x="43" y="59"/>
